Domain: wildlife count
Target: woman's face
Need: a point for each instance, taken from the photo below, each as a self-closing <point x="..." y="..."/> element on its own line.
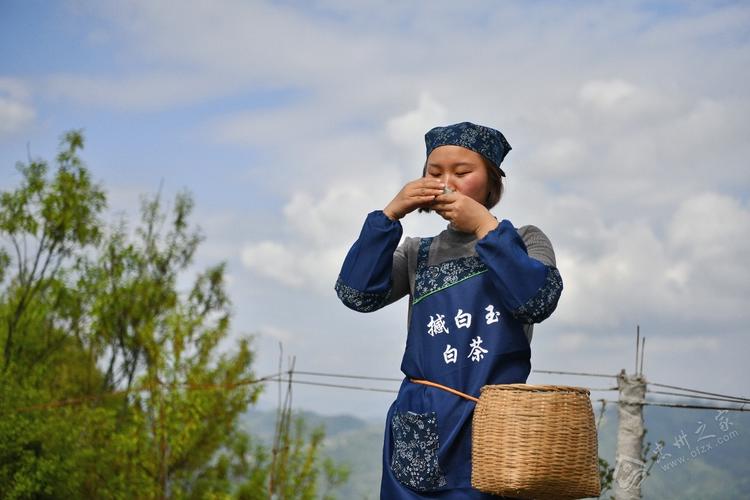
<point x="461" y="169"/>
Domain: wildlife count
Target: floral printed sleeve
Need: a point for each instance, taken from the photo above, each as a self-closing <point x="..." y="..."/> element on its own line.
<point x="371" y="276"/>
<point x="530" y="287"/>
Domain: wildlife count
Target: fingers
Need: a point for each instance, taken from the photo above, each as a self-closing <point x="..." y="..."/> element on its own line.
<point x="430" y="182"/>
<point x="444" y="207"/>
<point x="423" y="191"/>
<point x="426" y="191"/>
<point x="447" y="215"/>
<point x="447" y="197"/>
<point x="445" y="200"/>
<point x="427" y="187"/>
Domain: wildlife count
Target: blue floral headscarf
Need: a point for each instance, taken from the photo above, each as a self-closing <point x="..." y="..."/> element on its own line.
<point x="486" y="141"/>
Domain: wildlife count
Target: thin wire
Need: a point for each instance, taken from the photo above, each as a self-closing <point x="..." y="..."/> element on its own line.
<point x="725" y="397"/>
<point x="341" y="375"/>
<point x="145" y="388"/>
<point x="390" y="379"/>
<point x="338" y="386"/>
<point x="697" y="407"/>
<point x="575" y="373"/>
<point x="700" y="392"/>
<point x="360" y="388"/>
<point x="676" y="405"/>
<point x="277" y="377"/>
<point x="696" y="396"/>
<point x="643" y="403"/>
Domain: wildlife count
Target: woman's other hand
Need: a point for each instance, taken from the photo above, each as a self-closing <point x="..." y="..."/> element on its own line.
<point x="465" y="214"/>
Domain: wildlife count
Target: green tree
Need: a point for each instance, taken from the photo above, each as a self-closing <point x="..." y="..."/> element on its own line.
<point x="151" y="388"/>
<point x="47" y="225"/>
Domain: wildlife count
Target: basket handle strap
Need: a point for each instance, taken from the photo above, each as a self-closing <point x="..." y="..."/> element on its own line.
<point x="445" y="388"/>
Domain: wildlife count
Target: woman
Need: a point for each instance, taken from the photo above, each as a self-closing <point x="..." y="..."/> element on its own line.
<point x="475" y="291"/>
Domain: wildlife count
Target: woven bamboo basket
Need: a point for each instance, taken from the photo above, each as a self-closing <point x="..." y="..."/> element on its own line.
<point x="535" y="441"/>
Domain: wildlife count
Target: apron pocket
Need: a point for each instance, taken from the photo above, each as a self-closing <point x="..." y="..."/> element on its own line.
<point x="415" y="445"/>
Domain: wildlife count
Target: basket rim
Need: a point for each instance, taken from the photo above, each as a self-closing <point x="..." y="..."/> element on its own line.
<point x="535" y="388"/>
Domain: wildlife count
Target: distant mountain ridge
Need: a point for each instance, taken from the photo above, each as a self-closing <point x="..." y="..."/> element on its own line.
<point x="715" y="465"/>
<point x="349" y="440"/>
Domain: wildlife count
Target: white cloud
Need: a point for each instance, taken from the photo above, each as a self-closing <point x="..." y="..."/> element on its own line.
<point x="607" y="95"/>
<point x="565" y="156"/>
<point x="407" y="129"/>
<point x="146" y="92"/>
<point x="695" y="271"/>
<point x="317" y="233"/>
<point x="16" y="112"/>
<point x="327" y="219"/>
<point x="709" y="232"/>
<point x="711" y="226"/>
<point x="273" y="260"/>
<point x="623" y="281"/>
<point x="572" y="342"/>
<point x="279" y="334"/>
<point x="321" y="225"/>
<point x="688" y="343"/>
<point x="629" y="132"/>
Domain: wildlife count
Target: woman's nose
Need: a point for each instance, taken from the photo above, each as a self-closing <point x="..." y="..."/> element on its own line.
<point x="447" y="179"/>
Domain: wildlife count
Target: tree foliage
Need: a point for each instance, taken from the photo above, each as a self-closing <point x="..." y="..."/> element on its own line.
<point x="114" y="382"/>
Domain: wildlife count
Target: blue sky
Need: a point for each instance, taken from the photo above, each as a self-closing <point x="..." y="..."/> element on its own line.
<point x="290" y="121"/>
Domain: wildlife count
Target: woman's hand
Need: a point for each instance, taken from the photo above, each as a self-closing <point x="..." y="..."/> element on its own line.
<point x="465" y="214"/>
<point x="415" y="194"/>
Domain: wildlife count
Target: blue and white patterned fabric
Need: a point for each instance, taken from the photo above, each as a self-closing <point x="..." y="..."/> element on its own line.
<point x="486" y="141"/>
<point x="358" y="300"/>
<point x="432" y="279"/>
<point x="414" y="459"/>
<point x="540" y="306"/>
<point x="465" y="331"/>
<point x="366" y="290"/>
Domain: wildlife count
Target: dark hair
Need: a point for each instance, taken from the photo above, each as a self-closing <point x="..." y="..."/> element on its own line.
<point x="494" y="179"/>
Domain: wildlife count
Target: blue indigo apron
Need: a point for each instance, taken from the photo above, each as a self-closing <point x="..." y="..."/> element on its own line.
<point x="459" y="336"/>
